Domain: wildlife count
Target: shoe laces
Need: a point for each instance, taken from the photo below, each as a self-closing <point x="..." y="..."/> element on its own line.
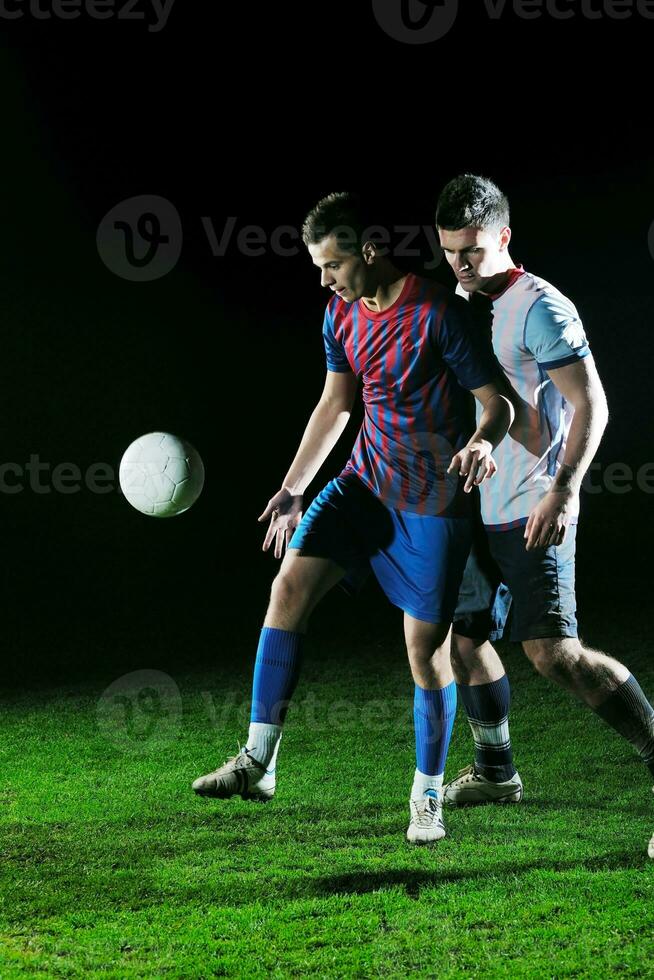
<point x="468" y="775"/>
<point x="243" y="759"/>
<point x="426" y="811"/>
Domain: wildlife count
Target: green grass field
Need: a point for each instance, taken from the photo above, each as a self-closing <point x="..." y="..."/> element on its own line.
<point x="112" y="867"/>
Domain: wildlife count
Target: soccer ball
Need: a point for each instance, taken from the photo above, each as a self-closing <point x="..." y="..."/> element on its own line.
<point x="161" y="475"/>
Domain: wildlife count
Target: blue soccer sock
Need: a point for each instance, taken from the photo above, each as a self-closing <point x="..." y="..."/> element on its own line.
<point x="433" y="718"/>
<point x="629" y="712"/>
<point x="276" y="672"/>
<point x="487" y="708"/>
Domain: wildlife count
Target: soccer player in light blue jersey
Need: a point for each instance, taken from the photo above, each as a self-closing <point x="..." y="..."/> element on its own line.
<point x="394" y="508"/>
<point x="530" y="510"/>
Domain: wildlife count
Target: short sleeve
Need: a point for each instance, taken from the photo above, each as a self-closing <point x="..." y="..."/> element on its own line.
<point x="462" y="347"/>
<point x="334" y="350"/>
<point x="554" y="333"/>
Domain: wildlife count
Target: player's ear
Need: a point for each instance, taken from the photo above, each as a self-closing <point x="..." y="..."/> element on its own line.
<point x="369" y="252"/>
<point x="505" y="237"/>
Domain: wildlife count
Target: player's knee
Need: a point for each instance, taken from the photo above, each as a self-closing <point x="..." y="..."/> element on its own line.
<point x="419" y="653"/>
<point x="288" y="595"/>
<point x="463" y="651"/>
<point x="468" y="657"/>
<point x="553" y="657"/>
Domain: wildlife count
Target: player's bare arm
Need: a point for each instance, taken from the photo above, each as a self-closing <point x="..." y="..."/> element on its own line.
<point x="327" y="422"/>
<point x="580" y="385"/>
<point x="475" y="460"/>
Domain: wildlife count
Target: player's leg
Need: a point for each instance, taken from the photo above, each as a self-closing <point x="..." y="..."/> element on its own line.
<point x="475" y="661"/>
<point x="545" y="623"/>
<point x="434" y="708"/>
<point x="320" y="551"/>
<point x="482" y="684"/>
<point x="542" y="583"/>
<point x="603" y="683"/>
<point x="420" y="571"/>
<point x="298" y="588"/>
<point x="484" y="690"/>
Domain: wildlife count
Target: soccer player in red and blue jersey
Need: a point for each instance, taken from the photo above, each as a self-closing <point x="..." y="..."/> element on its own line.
<point x="399" y="506"/>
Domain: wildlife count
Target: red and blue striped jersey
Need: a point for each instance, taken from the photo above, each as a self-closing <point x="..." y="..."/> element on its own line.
<point x="416" y="359"/>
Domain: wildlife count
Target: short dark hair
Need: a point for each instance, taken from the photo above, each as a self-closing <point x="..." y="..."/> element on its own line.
<point x="341" y="215"/>
<point x="470" y="201"/>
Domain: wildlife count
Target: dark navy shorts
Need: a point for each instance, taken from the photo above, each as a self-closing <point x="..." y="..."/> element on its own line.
<point x="537" y="587"/>
<point x="418" y="560"/>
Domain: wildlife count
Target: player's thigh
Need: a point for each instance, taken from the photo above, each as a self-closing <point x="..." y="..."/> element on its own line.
<point x="346" y="524"/>
<point x="303" y="580"/>
<point x="424" y="639"/>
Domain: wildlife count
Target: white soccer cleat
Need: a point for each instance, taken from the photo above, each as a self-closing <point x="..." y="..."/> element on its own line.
<point x="470" y="788"/>
<point x="426" y="825"/>
<point x="240" y="776"/>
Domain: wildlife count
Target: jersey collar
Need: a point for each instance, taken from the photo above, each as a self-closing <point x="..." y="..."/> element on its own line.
<point x="513" y="275"/>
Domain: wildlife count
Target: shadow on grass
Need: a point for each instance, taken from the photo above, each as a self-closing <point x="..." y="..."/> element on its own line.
<point x="189" y="862"/>
<point x="413" y="882"/>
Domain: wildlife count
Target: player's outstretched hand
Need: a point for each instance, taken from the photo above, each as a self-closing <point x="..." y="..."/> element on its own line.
<point x="285" y="513"/>
<point x="548" y="522"/>
<point x="475" y="462"/>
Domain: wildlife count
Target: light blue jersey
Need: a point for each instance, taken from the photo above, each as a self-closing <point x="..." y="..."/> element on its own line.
<point x="535" y="328"/>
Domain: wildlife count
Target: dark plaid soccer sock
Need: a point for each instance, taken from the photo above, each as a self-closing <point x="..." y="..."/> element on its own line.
<point x="487" y="708"/>
<point x="276" y="673"/>
<point x="629" y="712"/>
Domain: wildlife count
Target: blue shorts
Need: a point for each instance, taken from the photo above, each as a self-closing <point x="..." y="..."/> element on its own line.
<point x="417" y="560"/>
<point x="538" y="587"/>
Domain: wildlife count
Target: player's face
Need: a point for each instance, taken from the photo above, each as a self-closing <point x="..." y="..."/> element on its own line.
<point x="479" y="258"/>
<point x="342" y="272"/>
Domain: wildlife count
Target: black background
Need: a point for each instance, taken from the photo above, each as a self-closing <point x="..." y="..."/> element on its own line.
<point x="254" y="112"/>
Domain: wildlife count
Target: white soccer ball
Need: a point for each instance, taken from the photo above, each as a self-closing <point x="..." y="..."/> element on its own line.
<point x="161" y="475"/>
